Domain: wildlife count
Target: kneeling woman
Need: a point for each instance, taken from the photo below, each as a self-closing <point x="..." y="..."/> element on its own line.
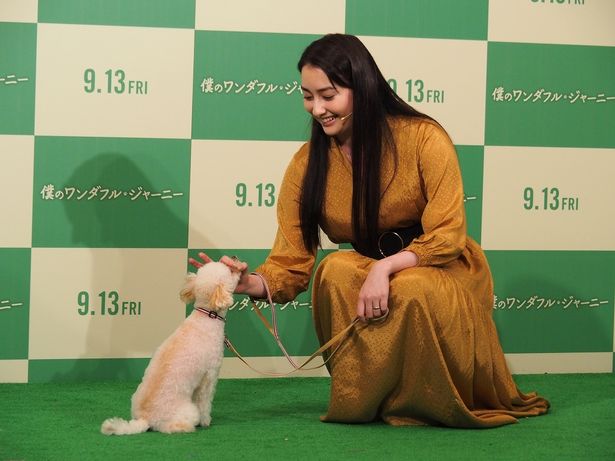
<point x="375" y="165"/>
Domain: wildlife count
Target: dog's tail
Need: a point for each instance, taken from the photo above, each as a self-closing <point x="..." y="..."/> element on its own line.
<point x="119" y="426"/>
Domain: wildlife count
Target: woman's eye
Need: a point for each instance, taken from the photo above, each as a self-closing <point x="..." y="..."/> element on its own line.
<point x="307" y="98"/>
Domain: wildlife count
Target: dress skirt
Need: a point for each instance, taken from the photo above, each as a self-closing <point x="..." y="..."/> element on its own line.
<point x="435" y="360"/>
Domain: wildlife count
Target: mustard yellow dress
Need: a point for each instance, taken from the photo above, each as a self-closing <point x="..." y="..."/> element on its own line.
<point x="437" y="358"/>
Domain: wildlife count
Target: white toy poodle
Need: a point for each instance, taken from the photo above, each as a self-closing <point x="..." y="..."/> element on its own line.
<point x="178" y="387"/>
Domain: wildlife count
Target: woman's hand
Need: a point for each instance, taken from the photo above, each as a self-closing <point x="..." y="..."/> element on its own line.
<point x="373" y="300"/>
<point x="236" y="265"/>
<point x="196" y="264"/>
<point x="375" y="290"/>
<point x="245" y="285"/>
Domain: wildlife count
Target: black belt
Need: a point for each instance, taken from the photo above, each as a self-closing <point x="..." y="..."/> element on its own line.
<point x="390" y="242"/>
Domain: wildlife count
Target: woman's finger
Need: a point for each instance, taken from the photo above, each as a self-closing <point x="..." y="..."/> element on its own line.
<point x="383" y="306"/>
<point x="369" y="312"/>
<point x="233" y="263"/>
<point x="194" y="263"/>
<point x="361" y="309"/>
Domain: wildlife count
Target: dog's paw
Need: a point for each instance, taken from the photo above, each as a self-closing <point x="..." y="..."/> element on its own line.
<point x="205" y="421"/>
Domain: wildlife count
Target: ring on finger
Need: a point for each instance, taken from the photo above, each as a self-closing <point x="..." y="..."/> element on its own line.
<point x="377" y="319"/>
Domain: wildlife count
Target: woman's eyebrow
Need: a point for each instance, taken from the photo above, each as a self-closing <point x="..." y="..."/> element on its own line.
<point x="319" y="90"/>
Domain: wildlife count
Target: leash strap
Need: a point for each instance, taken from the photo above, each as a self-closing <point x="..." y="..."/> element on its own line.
<point x="273" y="329"/>
<point x="337" y="339"/>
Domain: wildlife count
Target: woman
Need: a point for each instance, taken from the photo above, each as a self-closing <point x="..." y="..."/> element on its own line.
<point x="374" y="164"/>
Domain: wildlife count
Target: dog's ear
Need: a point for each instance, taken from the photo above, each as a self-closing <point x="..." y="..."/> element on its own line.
<point x="186" y="294"/>
<point x="220" y="297"/>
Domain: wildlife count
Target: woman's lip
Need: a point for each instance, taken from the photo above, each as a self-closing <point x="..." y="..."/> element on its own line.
<point x="327" y="120"/>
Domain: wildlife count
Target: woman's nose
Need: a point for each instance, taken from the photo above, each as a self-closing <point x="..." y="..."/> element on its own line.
<point x="318" y="108"/>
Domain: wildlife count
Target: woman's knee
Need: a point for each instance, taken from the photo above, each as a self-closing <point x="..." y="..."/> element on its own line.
<point x="336" y="265"/>
<point x="415" y="282"/>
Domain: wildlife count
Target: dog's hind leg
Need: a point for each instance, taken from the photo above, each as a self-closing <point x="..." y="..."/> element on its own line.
<point x="204" y="396"/>
<point x="170" y="427"/>
<point x="184" y="419"/>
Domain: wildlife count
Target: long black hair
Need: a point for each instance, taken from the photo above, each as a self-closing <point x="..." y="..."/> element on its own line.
<point x="348" y="63"/>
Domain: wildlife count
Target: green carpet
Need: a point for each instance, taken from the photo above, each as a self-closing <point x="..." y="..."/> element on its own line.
<point x="278" y="419"/>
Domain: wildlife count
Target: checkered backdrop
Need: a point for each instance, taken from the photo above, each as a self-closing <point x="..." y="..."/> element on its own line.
<point x="134" y="133"/>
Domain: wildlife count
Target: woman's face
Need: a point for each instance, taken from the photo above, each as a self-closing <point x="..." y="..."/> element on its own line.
<point x="330" y="105"/>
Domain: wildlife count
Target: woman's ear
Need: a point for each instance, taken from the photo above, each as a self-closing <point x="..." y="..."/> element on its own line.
<point x="186" y="294"/>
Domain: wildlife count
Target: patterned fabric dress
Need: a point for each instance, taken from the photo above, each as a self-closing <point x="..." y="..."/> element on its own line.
<point x="436" y="359"/>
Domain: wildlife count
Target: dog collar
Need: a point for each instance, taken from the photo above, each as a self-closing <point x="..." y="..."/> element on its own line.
<point x="210" y="314"/>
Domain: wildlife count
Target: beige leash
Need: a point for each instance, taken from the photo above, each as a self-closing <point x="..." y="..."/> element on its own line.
<point x="273" y="329"/>
<point x="336" y="339"/>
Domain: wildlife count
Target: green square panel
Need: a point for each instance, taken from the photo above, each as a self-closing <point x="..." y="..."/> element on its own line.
<point x="111" y="192"/>
<point x="17" y="77"/>
<point x="471" y="163"/>
<point x="246" y="86"/>
<point x="245" y="329"/>
<point x="14" y="302"/>
<point x="457" y="19"/>
<point x="550" y="95"/>
<point x="554" y="301"/>
<point x="148" y="13"/>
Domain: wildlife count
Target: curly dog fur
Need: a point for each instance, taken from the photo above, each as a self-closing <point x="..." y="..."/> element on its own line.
<point x="178" y="386"/>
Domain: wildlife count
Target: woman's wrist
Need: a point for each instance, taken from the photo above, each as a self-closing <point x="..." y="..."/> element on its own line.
<point x="397" y="262"/>
<point x="386" y="265"/>
<point x="256" y="286"/>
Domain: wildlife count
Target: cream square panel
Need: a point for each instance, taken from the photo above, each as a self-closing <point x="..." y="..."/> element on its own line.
<point x="114" y="81"/>
<point x="234" y="187"/>
<point x="16" y="173"/>
<point x="317" y="17"/>
<point x="574" y="22"/>
<point x="18" y="10"/>
<point x="104" y="303"/>
<point x="545" y="198"/>
<point x="442" y="78"/>
<point x="13" y="371"/>
<point x="582" y="362"/>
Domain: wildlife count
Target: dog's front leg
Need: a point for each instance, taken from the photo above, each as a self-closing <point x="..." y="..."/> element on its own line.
<point x="205" y="395"/>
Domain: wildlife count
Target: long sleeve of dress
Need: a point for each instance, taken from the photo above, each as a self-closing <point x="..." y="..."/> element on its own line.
<point x="288" y="267"/>
<point x="443" y="219"/>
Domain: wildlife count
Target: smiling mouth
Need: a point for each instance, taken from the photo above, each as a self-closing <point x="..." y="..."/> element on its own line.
<point x="327" y="120"/>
